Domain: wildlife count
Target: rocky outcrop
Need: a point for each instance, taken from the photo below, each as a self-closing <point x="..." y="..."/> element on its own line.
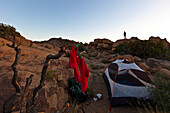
<point x="101" y="44"/>
<point x="106" y="44"/>
<point x="158" y="39"/>
<point x="153" y="63"/>
<point x="165" y="72"/>
<point x="20" y="40"/>
<point x="58" y="42"/>
<point x="53" y="95"/>
<point x="118" y="42"/>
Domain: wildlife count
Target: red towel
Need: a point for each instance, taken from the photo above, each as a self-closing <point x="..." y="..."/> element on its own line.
<point x="73" y="63"/>
<point x="84" y="71"/>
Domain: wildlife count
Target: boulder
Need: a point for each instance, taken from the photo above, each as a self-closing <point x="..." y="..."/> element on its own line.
<point x="137" y="58"/>
<point x="113" y="49"/>
<point x="105" y="41"/>
<point x="165" y="71"/>
<point x="128" y="57"/>
<point x="158" y="39"/>
<point x="117" y="43"/>
<point x="107" y="59"/>
<point x="153" y="63"/>
<point x="99" y="55"/>
<point x="143" y="66"/>
<point x="58" y="42"/>
<point x="103" y="46"/>
<point x="48" y="46"/>
<point x="20" y="40"/>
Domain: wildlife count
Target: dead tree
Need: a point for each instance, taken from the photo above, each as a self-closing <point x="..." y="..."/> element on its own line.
<point x="10" y="103"/>
<point x="44" y="70"/>
<point x="24" y="101"/>
<point x="16" y="98"/>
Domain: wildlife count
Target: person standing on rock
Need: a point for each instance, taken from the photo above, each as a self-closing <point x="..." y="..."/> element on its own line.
<point x="124" y="34"/>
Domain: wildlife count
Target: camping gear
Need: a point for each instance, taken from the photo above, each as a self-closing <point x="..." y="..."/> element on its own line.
<point x="95" y="99"/>
<point x="75" y="91"/>
<point x="84" y="71"/>
<point x="99" y="96"/>
<point x="126" y="82"/>
<point x="73" y="63"/>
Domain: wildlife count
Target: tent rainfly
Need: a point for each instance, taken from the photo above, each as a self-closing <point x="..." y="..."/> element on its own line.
<point x="131" y="82"/>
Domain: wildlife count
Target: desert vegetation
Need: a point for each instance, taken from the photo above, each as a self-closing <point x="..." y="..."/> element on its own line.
<point x="7" y="30"/>
<point x="160" y="96"/>
<point x="144" y="49"/>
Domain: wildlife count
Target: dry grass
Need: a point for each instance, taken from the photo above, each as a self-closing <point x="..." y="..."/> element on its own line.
<point x="74" y="108"/>
<point x="147" y="108"/>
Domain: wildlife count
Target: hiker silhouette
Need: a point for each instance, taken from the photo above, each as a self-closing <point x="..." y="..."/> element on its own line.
<point x="124" y="34"/>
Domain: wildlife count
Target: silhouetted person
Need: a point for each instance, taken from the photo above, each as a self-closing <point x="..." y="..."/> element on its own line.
<point x="124" y="34"/>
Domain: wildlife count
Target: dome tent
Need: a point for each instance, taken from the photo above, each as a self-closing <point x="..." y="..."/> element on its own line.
<point x="126" y="82"/>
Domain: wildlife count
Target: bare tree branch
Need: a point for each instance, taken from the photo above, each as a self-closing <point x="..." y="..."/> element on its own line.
<point x="44" y="70"/>
<point x="9" y="104"/>
<point x="25" y="95"/>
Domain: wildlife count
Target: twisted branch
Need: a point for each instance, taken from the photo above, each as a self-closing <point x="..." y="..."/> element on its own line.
<point x="26" y="92"/>
<point x="44" y="70"/>
<point x="9" y="104"/>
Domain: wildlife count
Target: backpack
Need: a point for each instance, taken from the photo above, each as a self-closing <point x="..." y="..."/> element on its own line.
<point x="75" y="91"/>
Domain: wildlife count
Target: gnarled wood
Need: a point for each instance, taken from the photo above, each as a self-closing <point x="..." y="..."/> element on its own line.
<point x="26" y="92"/>
<point x="9" y="104"/>
<point x="44" y="70"/>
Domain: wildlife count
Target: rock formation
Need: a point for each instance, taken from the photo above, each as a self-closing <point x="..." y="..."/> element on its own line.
<point x="53" y="95"/>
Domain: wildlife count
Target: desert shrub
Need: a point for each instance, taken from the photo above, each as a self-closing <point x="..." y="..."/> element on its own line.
<point x="94" y="66"/>
<point x="85" y="44"/>
<point x="51" y="74"/>
<point x="160" y="95"/>
<point x="90" y="92"/>
<point x="73" y="108"/>
<point x="148" y="108"/>
<point x="144" y="49"/>
<point x="7" y="30"/>
<point x="81" y="47"/>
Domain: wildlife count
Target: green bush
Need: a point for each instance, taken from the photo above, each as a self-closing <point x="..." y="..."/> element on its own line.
<point x="160" y="95"/>
<point x="7" y="30"/>
<point x="81" y="47"/>
<point x="144" y="49"/>
<point x="51" y="74"/>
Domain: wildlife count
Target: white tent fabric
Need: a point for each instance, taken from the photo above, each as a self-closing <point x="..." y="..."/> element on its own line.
<point x="126" y="66"/>
<point x="125" y="90"/>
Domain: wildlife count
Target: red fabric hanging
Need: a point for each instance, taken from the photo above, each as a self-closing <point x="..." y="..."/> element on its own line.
<point x="84" y="71"/>
<point x="73" y="63"/>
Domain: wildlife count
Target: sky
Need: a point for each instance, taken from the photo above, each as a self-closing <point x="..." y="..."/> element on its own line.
<point x="86" y="20"/>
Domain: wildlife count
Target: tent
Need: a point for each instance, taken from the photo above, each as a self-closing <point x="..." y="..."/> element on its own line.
<point x="131" y="82"/>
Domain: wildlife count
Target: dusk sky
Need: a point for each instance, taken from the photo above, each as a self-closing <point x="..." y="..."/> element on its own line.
<point x="86" y="20"/>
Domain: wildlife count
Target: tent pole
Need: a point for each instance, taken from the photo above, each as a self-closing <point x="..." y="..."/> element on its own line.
<point x="114" y="84"/>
